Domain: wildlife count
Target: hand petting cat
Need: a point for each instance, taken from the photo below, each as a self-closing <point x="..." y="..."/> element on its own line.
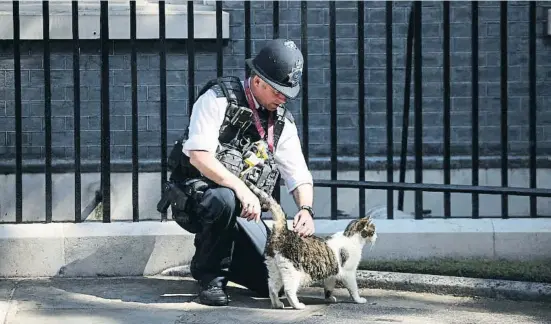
<point x="303" y="224"/>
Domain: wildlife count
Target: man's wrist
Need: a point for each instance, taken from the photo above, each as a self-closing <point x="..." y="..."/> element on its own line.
<point x="309" y="209"/>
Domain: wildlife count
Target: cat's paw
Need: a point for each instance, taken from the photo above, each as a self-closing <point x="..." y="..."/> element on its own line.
<point x="360" y="300"/>
<point x="278" y="305"/>
<point x="331" y="299"/>
<point x="299" y="306"/>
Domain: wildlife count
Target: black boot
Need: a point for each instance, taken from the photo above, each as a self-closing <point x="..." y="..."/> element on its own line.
<point x="213" y="293"/>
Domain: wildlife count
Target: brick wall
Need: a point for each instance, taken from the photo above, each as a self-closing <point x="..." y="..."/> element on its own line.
<point x="319" y="82"/>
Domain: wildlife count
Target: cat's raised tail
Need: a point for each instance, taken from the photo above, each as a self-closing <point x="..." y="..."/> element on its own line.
<point x="278" y="215"/>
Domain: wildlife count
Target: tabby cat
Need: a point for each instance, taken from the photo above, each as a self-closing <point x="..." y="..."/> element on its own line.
<point x="294" y="262"/>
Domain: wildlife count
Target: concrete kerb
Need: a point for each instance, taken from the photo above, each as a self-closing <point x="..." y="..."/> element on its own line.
<point x="457" y="286"/>
<point x="149" y="247"/>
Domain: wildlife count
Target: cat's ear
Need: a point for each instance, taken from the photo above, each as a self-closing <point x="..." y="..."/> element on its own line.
<point x="369" y="230"/>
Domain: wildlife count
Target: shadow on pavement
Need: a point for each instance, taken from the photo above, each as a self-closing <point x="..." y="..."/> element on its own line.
<point x="174" y="300"/>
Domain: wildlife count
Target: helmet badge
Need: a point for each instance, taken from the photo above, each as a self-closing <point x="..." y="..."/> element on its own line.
<point x="290" y="44"/>
<point x="295" y="74"/>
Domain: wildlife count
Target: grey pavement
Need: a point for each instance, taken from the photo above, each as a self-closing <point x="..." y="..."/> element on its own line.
<point x="165" y="299"/>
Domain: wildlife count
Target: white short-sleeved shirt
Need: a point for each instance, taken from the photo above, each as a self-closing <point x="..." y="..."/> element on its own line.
<point x="205" y="121"/>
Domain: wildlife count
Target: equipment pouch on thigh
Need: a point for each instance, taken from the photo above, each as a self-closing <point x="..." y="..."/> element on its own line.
<point x="182" y="202"/>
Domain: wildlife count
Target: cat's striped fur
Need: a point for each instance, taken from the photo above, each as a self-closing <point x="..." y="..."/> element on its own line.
<point x="294" y="261"/>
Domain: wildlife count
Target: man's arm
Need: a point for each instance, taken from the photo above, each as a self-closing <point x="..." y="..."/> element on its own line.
<point x="292" y="166"/>
<point x="304" y="195"/>
<point x="204" y="126"/>
<point x="205" y="121"/>
<point x="211" y="168"/>
<point x="298" y="178"/>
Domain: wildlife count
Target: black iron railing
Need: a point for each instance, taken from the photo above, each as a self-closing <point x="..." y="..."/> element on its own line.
<point x="413" y="64"/>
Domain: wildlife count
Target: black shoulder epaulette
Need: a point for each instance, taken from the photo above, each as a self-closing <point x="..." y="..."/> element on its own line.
<point x="233" y="90"/>
<point x="227" y="86"/>
<point x="282" y="111"/>
<point x="282" y="114"/>
<point x="218" y="91"/>
<point x="289" y="116"/>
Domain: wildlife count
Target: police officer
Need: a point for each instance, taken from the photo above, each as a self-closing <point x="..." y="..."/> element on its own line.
<point x="230" y="242"/>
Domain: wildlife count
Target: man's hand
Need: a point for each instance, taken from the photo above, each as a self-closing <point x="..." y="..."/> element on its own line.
<point x="208" y="165"/>
<point x="250" y="203"/>
<point x="303" y="224"/>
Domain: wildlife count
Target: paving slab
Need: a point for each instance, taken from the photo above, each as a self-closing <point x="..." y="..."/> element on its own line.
<point x="7" y="288"/>
<point x="164" y="299"/>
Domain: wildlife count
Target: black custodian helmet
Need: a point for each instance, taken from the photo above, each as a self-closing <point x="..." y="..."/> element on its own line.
<point x="279" y="63"/>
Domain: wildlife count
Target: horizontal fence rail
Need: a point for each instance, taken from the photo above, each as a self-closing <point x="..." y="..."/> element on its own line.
<point x="413" y="69"/>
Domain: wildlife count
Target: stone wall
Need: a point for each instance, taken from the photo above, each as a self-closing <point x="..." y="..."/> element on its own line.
<point x="318" y="85"/>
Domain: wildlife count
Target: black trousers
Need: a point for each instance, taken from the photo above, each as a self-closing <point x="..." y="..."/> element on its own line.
<point x="228" y="247"/>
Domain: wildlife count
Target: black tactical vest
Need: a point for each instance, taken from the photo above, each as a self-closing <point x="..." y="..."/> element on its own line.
<point x="237" y="137"/>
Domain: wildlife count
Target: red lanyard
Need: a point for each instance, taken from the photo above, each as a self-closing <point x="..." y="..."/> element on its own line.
<point x="256" y="118"/>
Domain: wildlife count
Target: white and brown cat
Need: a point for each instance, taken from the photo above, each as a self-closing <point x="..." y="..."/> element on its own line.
<point x="294" y="262"/>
